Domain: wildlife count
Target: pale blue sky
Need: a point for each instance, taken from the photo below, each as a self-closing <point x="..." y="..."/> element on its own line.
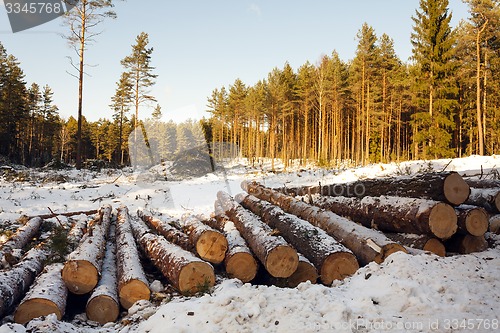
<point x="200" y="45"/>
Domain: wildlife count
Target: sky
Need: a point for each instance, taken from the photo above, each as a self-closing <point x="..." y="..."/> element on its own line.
<point x="200" y="45"/>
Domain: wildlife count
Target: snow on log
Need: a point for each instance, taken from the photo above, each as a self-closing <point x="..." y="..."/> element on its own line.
<point x="278" y="257"/>
<point x="68" y="214"/>
<point x="210" y="244"/>
<point x="187" y="273"/>
<point x="443" y="186"/>
<point x="483" y="183"/>
<point x="333" y="260"/>
<point x="103" y="305"/>
<point x="82" y="269"/>
<point x="488" y="198"/>
<point x="239" y="261"/>
<point x="396" y="214"/>
<point x="420" y="242"/>
<point x="20" y="238"/>
<point x="76" y="233"/>
<point x="495" y="224"/>
<point x="15" y="282"/>
<point x="47" y="295"/>
<point x="167" y="230"/>
<point x="367" y="244"/>
<point x="472" y="220"/>
<point x="465" y="244"/>
<point x="132" y="283"/>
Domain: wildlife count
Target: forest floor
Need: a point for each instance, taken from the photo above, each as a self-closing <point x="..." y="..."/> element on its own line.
<point x="406" y="293"/>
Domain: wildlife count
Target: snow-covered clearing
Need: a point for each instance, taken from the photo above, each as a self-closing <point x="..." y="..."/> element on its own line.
<point x="407" y="293"/>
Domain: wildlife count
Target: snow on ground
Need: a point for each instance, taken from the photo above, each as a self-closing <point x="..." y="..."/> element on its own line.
<point x="407" y="293"/>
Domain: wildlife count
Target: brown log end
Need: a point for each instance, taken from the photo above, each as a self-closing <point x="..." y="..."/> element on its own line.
<point x="456" y="190"/>
<point x="282" y="261"/>
<point x="476" y="222"/>
<point x="242" y="266"/>
<point x="470" y="244"/>
<point x="102" y="309"/>
<point x="133" y="291"/>
<point x="338" y="266"/>
<point x="495" y="224"/>
<point x="443" y="221"/>
<point x="34" y="308"/>
<point x="497" y="201"/>
<point x="196" y="277"/>
<point x="387" y="250"/>
<point x="305" y="272"/>
<point x="212" y="246"/>
<point x="435" y="246"/>
<point x="80" y="276"/>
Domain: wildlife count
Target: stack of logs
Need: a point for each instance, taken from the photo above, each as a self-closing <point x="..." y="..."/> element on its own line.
<point x="282" y="236"/>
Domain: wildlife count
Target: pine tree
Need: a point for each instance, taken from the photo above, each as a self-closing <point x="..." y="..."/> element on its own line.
<point x="121" y="102"/>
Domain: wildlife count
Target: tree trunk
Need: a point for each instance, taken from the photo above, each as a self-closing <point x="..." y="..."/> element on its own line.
<point x="495" y="224"/>
<point x="68" y="214"/>
<point x="187" y="273"/>
<point x="472" y="220"/>
<point x="444" y="186"/>
<point x="81" y="271"/>
<point x="16" y="281"/>
<point x="395" y="214"/>
<point x="76" y="233"/>
<point x="277" y="256"/>
<point x="48" y="295"/>
<point x="239" y="262"/>
<point x="466" y="244"/>
<point x="103" y="305"/>
<point x="19" y="240"/>
<point x="488" y="198"/>
<point x="419" y="242"/>
<point x="367" y="244"/>
<point x="333" y="260"/>
<point x="132" y="283"/>
<point x="210" y="244"/>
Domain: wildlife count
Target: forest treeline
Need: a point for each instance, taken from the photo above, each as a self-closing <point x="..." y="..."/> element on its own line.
<point x="443" y="102"/>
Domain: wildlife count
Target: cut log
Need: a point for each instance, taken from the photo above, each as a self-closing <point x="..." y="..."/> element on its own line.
<point x="187" y="273"/>
<point x="396" y="214"/>
<point x="132" y="283"/>
<point x="16" y="281"/>
<point x="472" y="220"/>
<point x="489" y="199"/>
<point x="239" y="261"/>
<point x="445" y="186"/>
<point x="20" y="238"/>
<point x="210" y="244"/>
<point x="278" y="257"/>
<point x="367" y="244"/>
<point x="495" y="224"/>
<point x="167" y="230"/>
<point x="483" y="183"/>
<point x="68" y="214"/>
<point x="103" y="305"/>
<point x="419" y="242"/>
<point x="465" y="244"/>
<point x="76" y="233"/>
<point x="48" y="295"/>
<point x="333" y="260"/>
<point x="81" y="271"/>
<point x="305" y="272"/>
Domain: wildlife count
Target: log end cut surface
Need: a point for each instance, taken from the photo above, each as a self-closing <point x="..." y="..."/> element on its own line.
<point x="212" y="247"/>
<point x="435" y="246"/>
<point x="338" y="266"/>
<point x="80" y="276"/>
<point x="476" y="222"/>
<point x="443" y="221"/>
<point x="195" y="277"/>
<point x="133" y="291"/>
<point x="387" y="250"/>
<point x="242" y="266"/>
<point x="305" y="272"/>
<point x="471" y="244"/>
<point x="456" y="190"/>
<point x="103" y="309"/>
<point x="282" y="261"/>
<point x="35" y="308"/>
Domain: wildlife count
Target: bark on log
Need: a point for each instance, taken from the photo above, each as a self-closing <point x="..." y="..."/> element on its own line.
<point x="76" y="233"/>
<point x="495" y="224"/>
<point x="472" y="220"/>
<point x="187" y="273"/>
<point x="444" y="186"/>
<point x="396" y="214"/>
<point x="103" y="305"/>
<point x="420" y="242"/>
<point x="332" y="259"/>
<point x="16" y="281"/>
<point x="132" y="283"/>
<point x="210" y="244"/>
<point x="367" y="244"/>
<point x="489" y="199"/>
<point x="81" y="271"/>
<point x="48" y="295"/>
<point x="483" y="183"/>
<point x="68" y="214"/>
<point x="239" y="261"/>
<point x="20" y="238"/>
<point x="465" y="244"/>
<point x="278" y="257"/>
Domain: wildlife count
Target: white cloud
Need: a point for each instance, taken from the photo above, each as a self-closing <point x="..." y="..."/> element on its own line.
<point x="254" y="8"/>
